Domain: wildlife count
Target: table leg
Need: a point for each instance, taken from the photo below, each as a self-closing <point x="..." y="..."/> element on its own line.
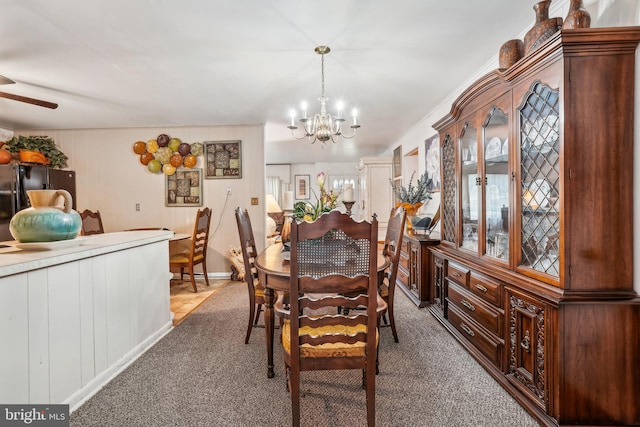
<point x="269" y="327"/>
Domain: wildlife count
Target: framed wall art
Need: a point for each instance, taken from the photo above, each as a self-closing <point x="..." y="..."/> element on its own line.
<point x="302" y="189"/>
<point x="223" y="159"/>
<point x="397" y="162"/>
<point x="184" y="188"/>
<point x="432" y="161"/>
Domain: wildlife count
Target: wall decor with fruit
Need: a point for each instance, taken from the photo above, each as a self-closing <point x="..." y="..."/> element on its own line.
<point x="165" y="154"/>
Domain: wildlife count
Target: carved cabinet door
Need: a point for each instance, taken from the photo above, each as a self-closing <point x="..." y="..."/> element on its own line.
<point x="526" y="345"/>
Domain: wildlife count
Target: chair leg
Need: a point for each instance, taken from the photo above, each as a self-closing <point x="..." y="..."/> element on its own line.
<point x="204" y="271"/>
<point x="295" y="397"/>
<point x="252" y="304"/>
<point x="193" y="279"/>
<point x="181" y="273"/>
<point x="371" y="399"/>
<point x="392" y="319"/>
<point x="258" y="310"/>
<point x="384" y="319"/>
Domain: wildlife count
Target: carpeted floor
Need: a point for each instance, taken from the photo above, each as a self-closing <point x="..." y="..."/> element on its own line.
<point x="202" y="374"/>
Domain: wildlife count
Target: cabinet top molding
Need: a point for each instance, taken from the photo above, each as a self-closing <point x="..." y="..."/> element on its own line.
<point x="564" y="43"/>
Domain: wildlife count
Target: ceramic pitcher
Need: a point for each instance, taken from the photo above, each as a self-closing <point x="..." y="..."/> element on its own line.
<point x="49" y="219"/>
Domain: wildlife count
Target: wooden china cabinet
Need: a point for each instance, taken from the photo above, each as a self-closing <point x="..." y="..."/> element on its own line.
<point x="534" y="273"/>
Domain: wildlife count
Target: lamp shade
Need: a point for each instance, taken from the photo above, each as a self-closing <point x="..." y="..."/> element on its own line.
<point x="272" y="205"/>
<point x="288" y="200"/>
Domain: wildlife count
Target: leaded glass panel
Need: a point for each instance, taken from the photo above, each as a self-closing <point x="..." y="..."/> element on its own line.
<point x="540" y="179"/>
<point x="448" y="190"/>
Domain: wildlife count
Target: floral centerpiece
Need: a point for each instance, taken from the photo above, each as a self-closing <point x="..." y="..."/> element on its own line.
<point x="412" y="197"/>
<point x="325" y="202"/>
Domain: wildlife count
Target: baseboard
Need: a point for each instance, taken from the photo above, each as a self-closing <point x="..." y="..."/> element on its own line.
<point x="78" y="398"/>
<point x="217" y="276"/>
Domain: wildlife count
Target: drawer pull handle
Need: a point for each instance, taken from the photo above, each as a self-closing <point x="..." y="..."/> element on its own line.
<point x="480" y="287"/>
<point x="468" y="305"/>
<point x="467" y="329"/>
<point x="456" y="274"/>
<point x="526" y="342"/>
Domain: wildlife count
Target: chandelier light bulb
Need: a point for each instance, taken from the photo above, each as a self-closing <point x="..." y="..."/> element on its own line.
<point x="322" y="126"/>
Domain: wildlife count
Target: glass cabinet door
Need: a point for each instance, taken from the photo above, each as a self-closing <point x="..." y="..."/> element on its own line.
<point x="496" y="195"/>
<point x="540" y="179"/>
<point x="449" y="189"/>
<point x="470" y="183"/>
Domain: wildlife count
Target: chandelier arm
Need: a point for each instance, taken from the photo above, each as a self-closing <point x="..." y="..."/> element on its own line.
<point x="349" y="136"/>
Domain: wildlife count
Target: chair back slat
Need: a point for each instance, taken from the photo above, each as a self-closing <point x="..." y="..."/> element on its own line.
<point x="352" y="320"/>
<point x="313" y="303"/>
<point x="333" y="339"/>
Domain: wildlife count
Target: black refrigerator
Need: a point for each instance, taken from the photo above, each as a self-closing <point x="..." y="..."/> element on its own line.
<point x="16" y="179"/>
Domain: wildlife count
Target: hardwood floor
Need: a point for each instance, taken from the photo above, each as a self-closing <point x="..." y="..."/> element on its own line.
<point x="184" y="301"/>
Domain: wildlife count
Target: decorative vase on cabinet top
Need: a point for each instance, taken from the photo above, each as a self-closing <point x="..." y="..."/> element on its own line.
<point x="510" y="53"/>
<point x="578" y="16"/>
<point x="544" y="27"/>
<point x="49" y="219"/>
<point x="412" y="210"/>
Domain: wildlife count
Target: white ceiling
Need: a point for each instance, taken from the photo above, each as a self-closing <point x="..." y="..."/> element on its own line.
<point x="138" y="63"/>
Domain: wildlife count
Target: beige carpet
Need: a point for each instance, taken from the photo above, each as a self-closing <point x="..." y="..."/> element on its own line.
<point x="184" y="301"/>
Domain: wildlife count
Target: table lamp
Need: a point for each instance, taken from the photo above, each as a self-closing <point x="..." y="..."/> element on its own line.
<point x="272" y="204"/>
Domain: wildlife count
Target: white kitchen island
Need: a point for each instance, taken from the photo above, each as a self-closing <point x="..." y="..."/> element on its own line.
<point x="72" y="318"/>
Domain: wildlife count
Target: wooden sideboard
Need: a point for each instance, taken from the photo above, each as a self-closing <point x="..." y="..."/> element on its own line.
<point x="534" y="273"/>
<point x="414" y="267"/>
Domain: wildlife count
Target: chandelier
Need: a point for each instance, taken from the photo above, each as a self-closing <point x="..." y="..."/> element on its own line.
<point x="322" y="126"/>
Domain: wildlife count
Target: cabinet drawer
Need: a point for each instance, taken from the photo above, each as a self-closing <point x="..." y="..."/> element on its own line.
<point x="485" y="288"/>
<point x="473" y="307"/>
<point x="403" y="277"/>
<point x="458" y="273"/>
<point x="404" y="260"/>
<point x="474" y="334"/>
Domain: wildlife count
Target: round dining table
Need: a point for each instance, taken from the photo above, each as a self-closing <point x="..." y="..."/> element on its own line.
<point x="273" y="273"/>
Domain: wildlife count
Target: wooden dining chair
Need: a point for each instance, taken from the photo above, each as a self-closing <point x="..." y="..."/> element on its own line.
<point x="91" y="222"/>
<point x="391" y="251"/>
<point x="249" y="254"/>
<point x="197" y="252"/>
<point x="331" y="258"/>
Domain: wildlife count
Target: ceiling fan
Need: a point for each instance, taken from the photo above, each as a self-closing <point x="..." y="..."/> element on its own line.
<point x="38" y="102"/>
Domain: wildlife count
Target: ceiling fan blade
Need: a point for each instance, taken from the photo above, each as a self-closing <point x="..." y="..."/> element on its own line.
<point x="33" y="101"/>
<point x="5" y="81"/>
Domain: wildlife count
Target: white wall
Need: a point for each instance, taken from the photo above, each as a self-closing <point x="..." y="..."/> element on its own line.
<point x="339" y="170"/>
<point x="604" y="13"/>
<point x="111" y="179"/>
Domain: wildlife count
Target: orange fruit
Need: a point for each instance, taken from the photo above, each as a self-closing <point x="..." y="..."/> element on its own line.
<point x="176" y="160"/>
<point x="145" y="158"/>
<point x="190" y="161"/>
<point x="139" y="147"/>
